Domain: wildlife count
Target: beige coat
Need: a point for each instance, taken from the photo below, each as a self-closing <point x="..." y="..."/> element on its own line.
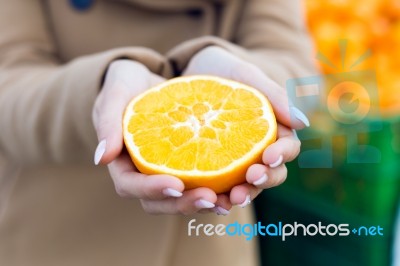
<point x="56" y="208"/>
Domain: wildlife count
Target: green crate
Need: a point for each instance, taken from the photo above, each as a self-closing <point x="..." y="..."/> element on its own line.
<point x="370" y="189"/>
<point x="361" y="194"/>
<point x="300" y="250"/>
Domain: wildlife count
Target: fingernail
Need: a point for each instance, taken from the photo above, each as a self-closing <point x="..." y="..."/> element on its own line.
<point x="261" y="180"/>
<point x="295" y="134"/>
<point x="246" y="202"/>
<point x="204" y="204"/>
<point x="300" y="116"/>
<point x="221" y="211"/>
<point x="277" y="163"/>
<point x="170" y="192"/>
<point x="100" y="150"/>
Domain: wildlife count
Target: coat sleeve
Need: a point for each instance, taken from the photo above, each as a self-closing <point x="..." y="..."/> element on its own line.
<point x="46" y="106"/>
<point x="270" y="34"/>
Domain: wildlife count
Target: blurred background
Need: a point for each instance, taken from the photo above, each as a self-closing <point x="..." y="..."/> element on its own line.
<point x="349" y="167"/>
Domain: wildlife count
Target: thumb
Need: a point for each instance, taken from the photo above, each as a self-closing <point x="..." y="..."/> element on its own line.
<point x="107" y="117"/>
<point x="124" y="80"/>
<point x="286" y="113"/>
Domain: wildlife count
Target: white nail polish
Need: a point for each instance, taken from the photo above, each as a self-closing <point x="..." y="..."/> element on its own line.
<point x="100" y="150"/>
<point x="277" y="163"/>
<point x="221" y="211"/>
<point x="300" y="116"/>
<point x="295" y="134"/>
<point x="170" y="192"/>
<point x="246" y="202"/>
<point x="204" y="204"/>
<point x="261" y="180"/>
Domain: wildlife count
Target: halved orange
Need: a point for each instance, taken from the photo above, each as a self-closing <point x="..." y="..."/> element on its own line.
<point x="204" y="130"/>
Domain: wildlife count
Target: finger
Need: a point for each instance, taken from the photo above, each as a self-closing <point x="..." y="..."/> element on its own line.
<point x="205" y="62"/>
<point x="285" y="149"/>
<point x="243" y="194"/>
<point x="264" y="177"/>
<point x="191" y="202"/>
<point x="125" y="79"/>
<point x="222" y="205"/>
<point x="108" y="123"/>
<point x="155" y="79"/>
<point x="286" y="113"/>
<point x="131" y="184"/>
<point x="232" y="67"/>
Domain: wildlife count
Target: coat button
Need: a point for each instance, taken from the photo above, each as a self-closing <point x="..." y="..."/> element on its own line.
<point x="195" y="13"/>
<point x="81" y="5"/>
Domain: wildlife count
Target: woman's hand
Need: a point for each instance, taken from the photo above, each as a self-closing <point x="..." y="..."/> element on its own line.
<point x="219" y="62"/>
<point x="158" y="193"/>
<point x="165" y="194"/>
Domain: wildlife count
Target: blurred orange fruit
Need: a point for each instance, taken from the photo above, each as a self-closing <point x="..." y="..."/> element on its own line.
<point x="204" y="130"/>
<point x="367" y="25"/>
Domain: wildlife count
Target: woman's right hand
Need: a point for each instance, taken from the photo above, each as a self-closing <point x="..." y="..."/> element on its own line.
<point x="158" y="194"/>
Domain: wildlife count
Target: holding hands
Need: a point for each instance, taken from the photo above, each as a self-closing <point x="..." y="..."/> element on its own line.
<point x="126" y="79"/>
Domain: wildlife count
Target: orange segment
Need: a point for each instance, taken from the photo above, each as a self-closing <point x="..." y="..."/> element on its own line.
<point x="205" y="130"/>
